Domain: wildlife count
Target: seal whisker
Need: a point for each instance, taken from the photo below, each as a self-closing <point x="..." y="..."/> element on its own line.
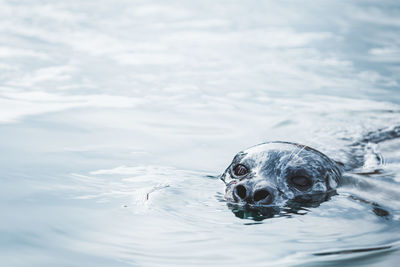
<point x="292" y="153"/>
<point x="293" y="156"/>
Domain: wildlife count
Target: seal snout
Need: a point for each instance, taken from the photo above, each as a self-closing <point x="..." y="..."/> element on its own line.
<point x="240" y="192"/>
<point x="243" y="192"/>
<point x="261" y="195"/>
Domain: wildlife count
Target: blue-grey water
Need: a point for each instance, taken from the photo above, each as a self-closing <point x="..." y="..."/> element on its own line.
<point x="116" y="118"/>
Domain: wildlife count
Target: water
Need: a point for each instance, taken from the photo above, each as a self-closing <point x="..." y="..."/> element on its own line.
<point x="117" y="118"/>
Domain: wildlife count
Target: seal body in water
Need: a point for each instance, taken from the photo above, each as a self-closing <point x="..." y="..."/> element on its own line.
<point x="274" y="177"/>
<point x="274" y="173"/>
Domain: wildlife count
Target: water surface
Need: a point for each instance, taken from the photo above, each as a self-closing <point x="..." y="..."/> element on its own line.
<point x="117" y="118"/>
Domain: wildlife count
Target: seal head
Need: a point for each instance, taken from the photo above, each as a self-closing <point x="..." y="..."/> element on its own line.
<point x="274" y="173"/>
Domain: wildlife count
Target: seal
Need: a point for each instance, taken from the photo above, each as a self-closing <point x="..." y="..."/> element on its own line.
<point x="282" y="178"/>
<point x="273" y="173"/>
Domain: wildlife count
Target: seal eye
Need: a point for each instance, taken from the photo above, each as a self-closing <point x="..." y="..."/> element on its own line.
<point x="301" y="182"/>
<point x="240" y="170"/>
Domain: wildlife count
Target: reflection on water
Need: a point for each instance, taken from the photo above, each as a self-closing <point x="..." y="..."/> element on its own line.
<point x="293" y="207"/>
<point x="116" y="120"/>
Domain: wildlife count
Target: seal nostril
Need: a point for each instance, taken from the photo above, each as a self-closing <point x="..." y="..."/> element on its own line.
<point x="260" y="195"/>
<point x="241" y="191"/>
